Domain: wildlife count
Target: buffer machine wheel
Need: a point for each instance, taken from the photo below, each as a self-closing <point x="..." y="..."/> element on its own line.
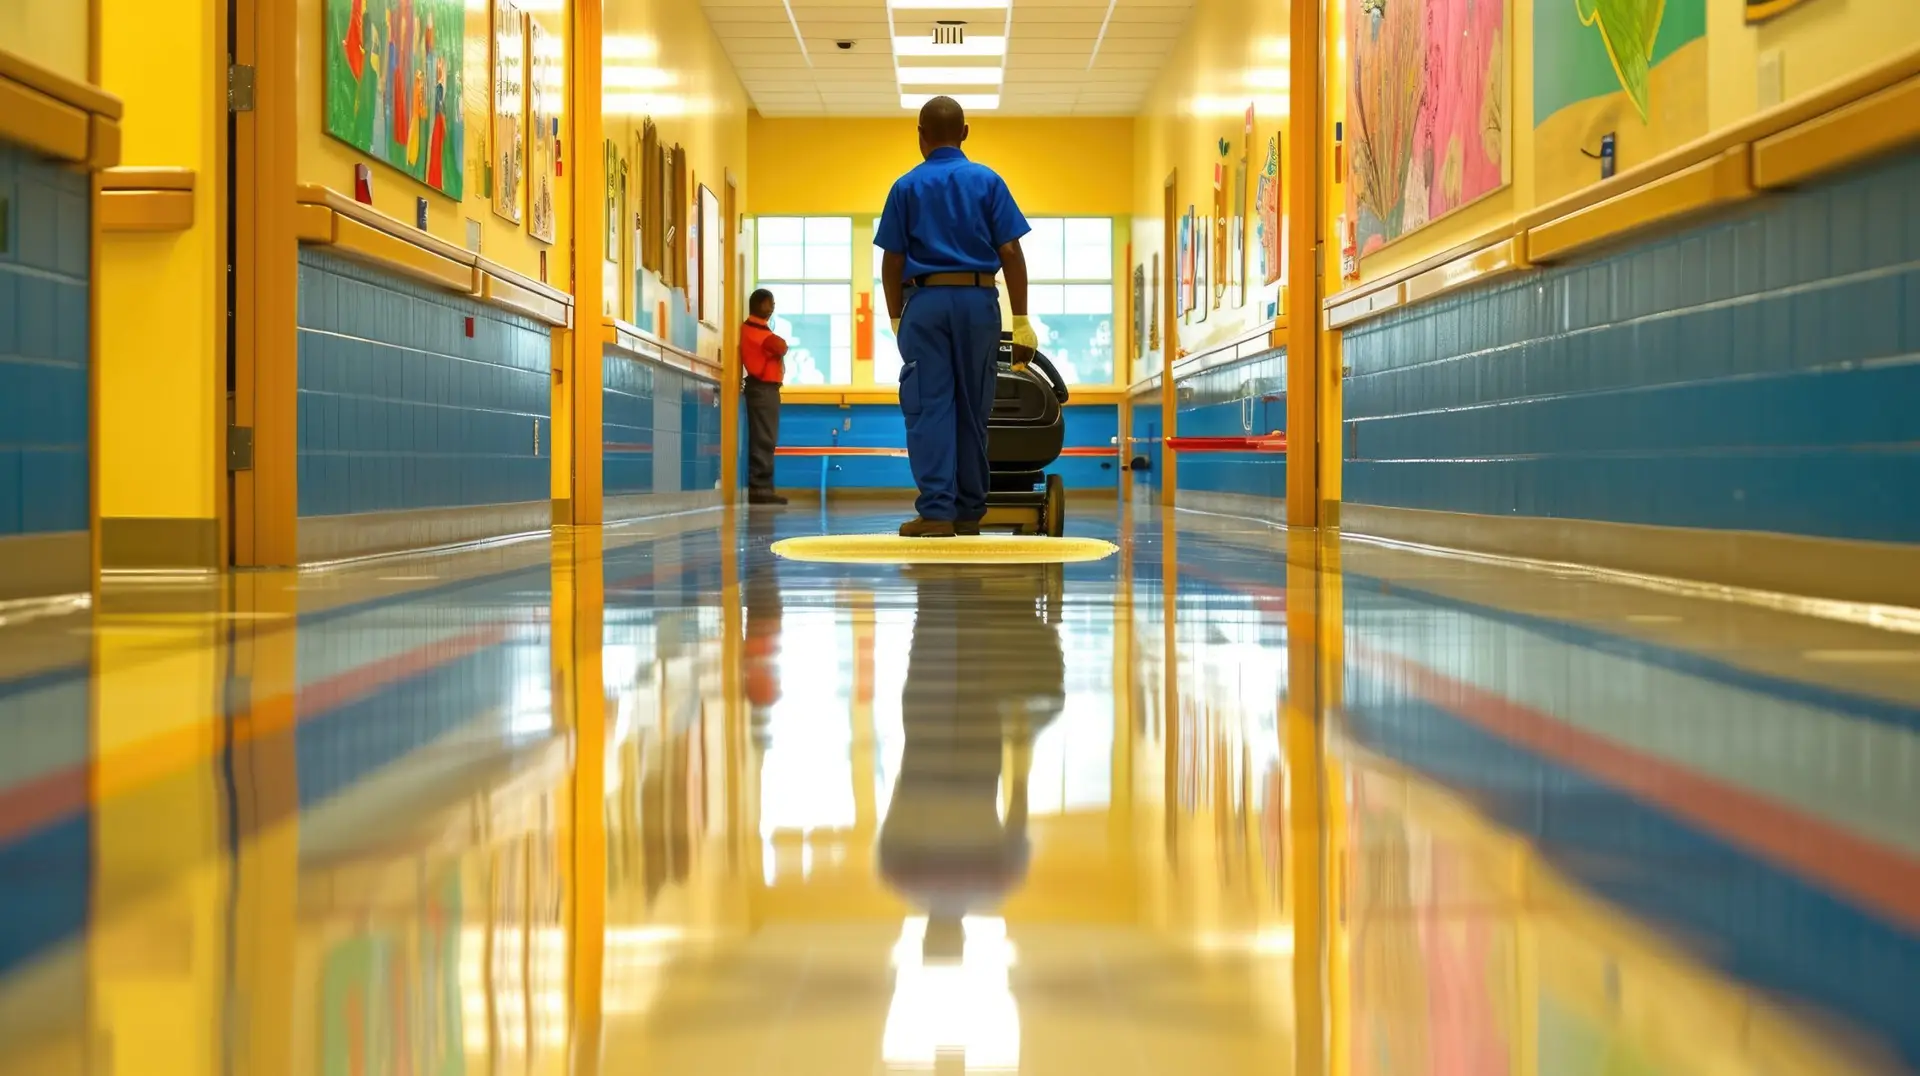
<point x="1055" y="510"/>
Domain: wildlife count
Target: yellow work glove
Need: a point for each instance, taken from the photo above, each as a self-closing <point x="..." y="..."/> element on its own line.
<point x="1023" y="334"/>
<point x="896" y="327"/>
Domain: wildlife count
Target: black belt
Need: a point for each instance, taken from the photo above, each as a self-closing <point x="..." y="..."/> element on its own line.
<point x="954" y="280"/>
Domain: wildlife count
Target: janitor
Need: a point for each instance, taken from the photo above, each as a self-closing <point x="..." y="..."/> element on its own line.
<point x="949" y="225"/>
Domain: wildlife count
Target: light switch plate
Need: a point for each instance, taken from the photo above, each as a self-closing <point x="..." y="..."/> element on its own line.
<point x="1772" y="79"/>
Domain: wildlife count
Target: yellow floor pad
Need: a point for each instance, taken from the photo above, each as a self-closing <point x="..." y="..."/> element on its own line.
<point x="983" y="549"/>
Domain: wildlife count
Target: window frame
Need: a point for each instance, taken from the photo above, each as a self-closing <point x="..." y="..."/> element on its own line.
<point x="849" y="282"/>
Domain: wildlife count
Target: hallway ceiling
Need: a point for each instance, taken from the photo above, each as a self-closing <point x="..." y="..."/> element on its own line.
<point x="1062" y="57"/>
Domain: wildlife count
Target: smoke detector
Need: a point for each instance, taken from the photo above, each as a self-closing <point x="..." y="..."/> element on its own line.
<point x="949" y="32"/>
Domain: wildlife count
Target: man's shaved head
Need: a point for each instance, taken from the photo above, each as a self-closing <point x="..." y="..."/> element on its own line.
<point x="942" y="123"/>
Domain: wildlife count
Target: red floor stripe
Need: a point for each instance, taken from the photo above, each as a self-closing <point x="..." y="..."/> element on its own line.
<point x="1872" y="874"/>
<point x="37" y="803"/>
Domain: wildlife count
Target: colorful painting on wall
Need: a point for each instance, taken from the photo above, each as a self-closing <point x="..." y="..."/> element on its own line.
<point x="394" y="70"/>
<point x="509" y="110"/>
<point x="1139" y="326"/>
<point x="1203" y="232"/>
<point x="1635" y="69"/>
<point x="1426" y="111"/>
<point x="545" y="84"/>
<point x="1267" y="231"/>
<point x="1237" y="230"/>
<point x="1217" y="252"/>
<point x="1183" y="267"/>
<point x="1153" y="314"/>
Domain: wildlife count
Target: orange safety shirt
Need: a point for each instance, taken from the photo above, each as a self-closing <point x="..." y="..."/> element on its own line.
<point x="762" y="352"/>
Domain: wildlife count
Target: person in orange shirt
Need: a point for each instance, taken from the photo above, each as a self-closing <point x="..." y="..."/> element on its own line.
<point x="763" y="357"/>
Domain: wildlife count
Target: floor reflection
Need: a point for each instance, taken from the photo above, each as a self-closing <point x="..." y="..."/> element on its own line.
<point x="1237" y="800"/>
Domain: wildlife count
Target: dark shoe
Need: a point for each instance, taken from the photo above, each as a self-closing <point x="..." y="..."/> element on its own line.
<point x="968" y="527"/>
<point x="766" y="497"/>
<point x="926" y="528"/>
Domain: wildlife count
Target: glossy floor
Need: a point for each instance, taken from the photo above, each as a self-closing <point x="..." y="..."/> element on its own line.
<point x="1234" y="800"/>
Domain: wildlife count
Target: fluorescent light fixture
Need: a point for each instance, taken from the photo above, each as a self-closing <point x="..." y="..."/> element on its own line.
<point x="949" y="5"/>
<point x="951" y="76"/>
<point x="972" y="102"/>
<point x="974" y="46"/>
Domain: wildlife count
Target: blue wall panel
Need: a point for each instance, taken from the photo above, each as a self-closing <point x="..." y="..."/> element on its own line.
<point x="1752" y="372"/>
<point x="400" y="410"/>
<point x="660" y="428"/>
<point x="1248" y="397"/>
<point x="45" y="228"/>
<point x="881" y="426"/>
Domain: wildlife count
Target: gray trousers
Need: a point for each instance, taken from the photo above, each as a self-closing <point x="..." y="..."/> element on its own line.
<point x="762" y="399"/>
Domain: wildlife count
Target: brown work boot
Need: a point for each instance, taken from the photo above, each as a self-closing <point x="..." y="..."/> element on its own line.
<point x="967" y="527"/>
<point x="926" y="528"/>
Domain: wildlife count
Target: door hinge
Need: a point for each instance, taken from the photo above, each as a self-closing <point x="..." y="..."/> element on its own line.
<point x="239" y="87"/>
<point x="239" y="448"/>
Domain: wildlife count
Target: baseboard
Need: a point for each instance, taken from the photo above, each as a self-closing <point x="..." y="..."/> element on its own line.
<point x="324" y="538"/>
<point x="153" y="542"/>
<point x="620" y="507"/>
<point x="1250" y="505"/>
<point x="1837" y="568"/>
<point x="39" y="565"/>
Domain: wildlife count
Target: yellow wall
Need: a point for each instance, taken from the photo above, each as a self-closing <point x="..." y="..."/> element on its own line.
<point x="1819" y="41"/>
<point x="51" y="33"/>
<point x="329" y="161"/>
<point x="162" y="295"/>
<point x="699" y="104"/>
<point x="1232" y="54"/>
<point x="1055" y="167"/>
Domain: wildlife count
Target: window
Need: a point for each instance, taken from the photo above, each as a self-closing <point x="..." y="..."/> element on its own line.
<point x="1070" y="295"/>
<point x="807" y="263"/>
<point x="1069" y="298"/>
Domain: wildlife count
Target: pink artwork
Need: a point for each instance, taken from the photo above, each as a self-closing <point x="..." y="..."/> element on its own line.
<point x="1426" y="111"/>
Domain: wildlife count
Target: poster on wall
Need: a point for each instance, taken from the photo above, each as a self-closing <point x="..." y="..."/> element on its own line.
<point x="1139" y="312"/>
<point x="545" y="84"/>
<point x="613" y="179"/>
<point x="1203" y="229"/>
<point x="713" y="258"/>
<point x="1604" y="68"/>
<point x="1183" y="268"/>
<point x="1237" y="231"/>
<point x="1153" y="311"/>
<point x="1426" y="112"/>
<point x="1267" y="230"/>
<point x="509" y="109"/>
<point x="394" y="71"/>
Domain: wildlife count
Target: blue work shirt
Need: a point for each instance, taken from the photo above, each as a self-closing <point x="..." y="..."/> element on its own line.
<point x="949" y="215"/>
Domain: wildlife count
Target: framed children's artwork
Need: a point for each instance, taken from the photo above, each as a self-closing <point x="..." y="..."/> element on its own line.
<point x="1153" y="313"/>
<point x="1203" y="267"/>
<point x="1237" y="231"/>
<point x="1183" y="266"/>
<point x="509" y="111"/>
<point x="546" y="82"/>
<point x="1267" y="200"/>
<point x="393" y="78"/>
<point x="1139" y="323"/>
<point x="711" y="279"/>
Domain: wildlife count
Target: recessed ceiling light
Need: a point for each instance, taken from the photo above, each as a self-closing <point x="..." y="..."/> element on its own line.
<point x="949" y="5"/>
<point x="972" y="102"/>
<point x="973" y="46"/>
<point x="951" y="76"/>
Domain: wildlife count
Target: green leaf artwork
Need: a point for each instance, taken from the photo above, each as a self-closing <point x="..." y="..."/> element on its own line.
<point x="1628" y="27"/>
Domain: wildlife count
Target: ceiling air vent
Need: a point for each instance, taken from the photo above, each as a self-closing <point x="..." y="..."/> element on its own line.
<point x="949" y="32"/>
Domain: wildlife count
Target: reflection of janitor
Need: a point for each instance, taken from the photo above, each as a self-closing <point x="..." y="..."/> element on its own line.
<point x="984" y="675"/>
